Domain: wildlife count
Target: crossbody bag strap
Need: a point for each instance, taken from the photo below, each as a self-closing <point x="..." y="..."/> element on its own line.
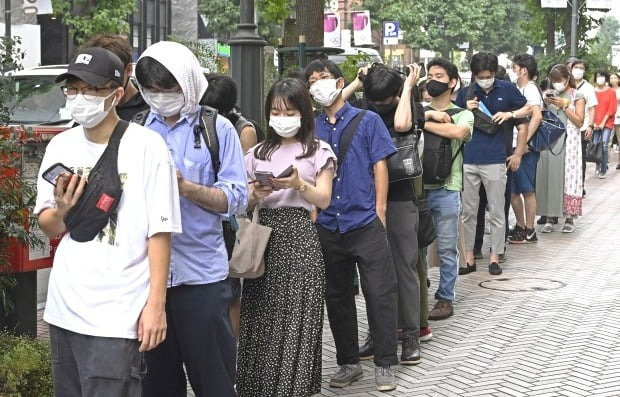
<point x="113" y="144"/>
<point x="347" y="135"/>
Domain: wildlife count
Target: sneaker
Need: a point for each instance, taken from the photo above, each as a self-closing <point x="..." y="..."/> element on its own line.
<point x="530" y="236"/>
<point x="542" y="220"/>
<point x="548" y="228"/>
<point x="426" y="334"/>
<point x="442" y="309"/>
<point x="367" y="350"/>
<point x="517" y="235"/>
<point x="569" y="226"/>
<point x="477" y="254"/>
<point x="411" y="351"/>
<point x="346" y="375"/>
<point x="602" y="175"/>
<point x="495" y="269"/>
<point x="467" y="269"/>
<point x="385" y="378"/>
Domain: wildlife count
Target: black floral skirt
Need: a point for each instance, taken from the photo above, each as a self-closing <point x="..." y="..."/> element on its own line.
<point x="282" y="312"/>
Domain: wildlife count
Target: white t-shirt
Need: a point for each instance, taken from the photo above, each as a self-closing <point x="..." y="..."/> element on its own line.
<point x="532" y="95"/>
<point x="587" y="90"/>
<point x="99" y="287"/>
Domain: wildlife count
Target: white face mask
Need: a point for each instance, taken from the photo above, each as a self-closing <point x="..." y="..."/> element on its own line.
<point x="600" y="80"/>
<point x="486" y="83"/>
<point x="514" y="77"/>
<point x="285" y="126"/>
<point x="577" y="73"/>
<point x="89" y="113"/>
<point x="164" y="103"/>
<point x="559" y="87"/>
<point x="325" y="91"/>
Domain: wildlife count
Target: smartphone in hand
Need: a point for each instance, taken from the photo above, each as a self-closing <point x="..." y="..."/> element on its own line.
<point x="286" y="173"/>
<point x="263" y="177"/>
<point x="55" y="171"/>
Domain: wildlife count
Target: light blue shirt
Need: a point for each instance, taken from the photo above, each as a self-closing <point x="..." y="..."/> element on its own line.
<point x="199" y="254"/>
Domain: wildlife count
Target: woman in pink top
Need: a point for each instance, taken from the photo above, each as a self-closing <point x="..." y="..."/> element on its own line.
<point x="282" y="312"/>
<point x="614" y="82"/>
<point x="604" y="116"/>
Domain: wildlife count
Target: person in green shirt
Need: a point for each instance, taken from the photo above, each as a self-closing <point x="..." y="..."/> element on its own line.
<point x="444" y="200"/>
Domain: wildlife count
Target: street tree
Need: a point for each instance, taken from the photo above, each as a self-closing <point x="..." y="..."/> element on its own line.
<point x="86" y="18"/>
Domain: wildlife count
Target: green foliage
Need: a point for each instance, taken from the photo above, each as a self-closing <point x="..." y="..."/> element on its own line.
<point x="11" y="57"/>
<point x="599" y="52"/>
<point x="86" y="18"/>
<point x="206" y="54"/>
<point x="25" y="366"/>
<point x="222" y="15"/>
<point x="351" y="66"/>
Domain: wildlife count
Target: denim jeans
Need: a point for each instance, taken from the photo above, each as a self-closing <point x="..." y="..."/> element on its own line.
<point x="603" y="135"/>
<point x="445" y="206"/>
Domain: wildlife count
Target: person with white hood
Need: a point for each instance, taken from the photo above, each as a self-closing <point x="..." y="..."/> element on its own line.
<point x="200" y="336"/>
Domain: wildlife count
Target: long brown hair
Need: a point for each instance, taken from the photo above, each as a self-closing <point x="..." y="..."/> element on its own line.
<point x="294" y="94"/>
<point x="559" y="72"/>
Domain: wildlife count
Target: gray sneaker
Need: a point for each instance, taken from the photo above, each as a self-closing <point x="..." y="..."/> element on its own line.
<point x="346" y="375"/>
<point x="385" y="378"/>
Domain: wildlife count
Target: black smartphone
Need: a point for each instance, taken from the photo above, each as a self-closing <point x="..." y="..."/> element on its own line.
<point x="52" y="173"/>
<point x="550" y="95"/>
<point x="422" y="69"/>
<point x="286" y="173"/>
<point x="263" y="177"/>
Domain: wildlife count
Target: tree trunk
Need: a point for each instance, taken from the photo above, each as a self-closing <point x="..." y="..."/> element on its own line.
<point x="550" y="32"/>
<point x="310" y="21"/>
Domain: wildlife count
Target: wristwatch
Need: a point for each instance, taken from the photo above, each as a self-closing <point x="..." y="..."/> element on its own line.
<point x="301" y="188"/>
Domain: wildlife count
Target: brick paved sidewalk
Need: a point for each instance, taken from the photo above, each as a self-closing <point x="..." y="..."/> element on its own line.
<point x="525" y="338"/>
<point x="548" y="326"/>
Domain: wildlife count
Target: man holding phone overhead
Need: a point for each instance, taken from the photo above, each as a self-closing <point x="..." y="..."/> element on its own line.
<point x="106" y="296"/>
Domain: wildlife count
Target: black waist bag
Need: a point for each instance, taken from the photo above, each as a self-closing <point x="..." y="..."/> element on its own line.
<point x="101" y="194"/>
<point x="437" y="156"/>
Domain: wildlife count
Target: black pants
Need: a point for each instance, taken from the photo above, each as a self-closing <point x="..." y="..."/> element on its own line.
<point x="368" y="247"/>
<point x="200" y="336"/>
<point x="481" y="212"/>
<point x="584" y="143"/>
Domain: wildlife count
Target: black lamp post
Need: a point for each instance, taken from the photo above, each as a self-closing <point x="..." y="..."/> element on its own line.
<point x="246" y="63"/>
<point x="7" y="18"/>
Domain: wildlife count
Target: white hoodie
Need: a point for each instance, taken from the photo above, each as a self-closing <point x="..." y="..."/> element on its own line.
<point x="184" y="66"/>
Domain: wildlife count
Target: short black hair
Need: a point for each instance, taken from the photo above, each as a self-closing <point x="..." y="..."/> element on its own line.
<point x="579" y="62"/>
<point x="604" y="73"/>
<point x="451" y="70"/>
<point x="150" y="73"/>
<point x="528" y="62"/>
<point x="382" y="82"/>
<point x="502" y="73"/>
<point x="221" y="93"/>
<point x="320" y="65"/>
<point x="483" y="61"/>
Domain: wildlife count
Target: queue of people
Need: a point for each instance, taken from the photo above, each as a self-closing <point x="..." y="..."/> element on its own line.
<point x="154" y="306"/>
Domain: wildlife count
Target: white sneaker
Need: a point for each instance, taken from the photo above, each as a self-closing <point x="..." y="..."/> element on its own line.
<point x="547" y="228"/>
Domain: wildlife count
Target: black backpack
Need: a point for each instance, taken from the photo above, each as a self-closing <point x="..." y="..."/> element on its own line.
<point x="437" y="158"/>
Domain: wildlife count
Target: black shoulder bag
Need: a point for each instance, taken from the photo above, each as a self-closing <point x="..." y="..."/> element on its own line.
<point x="347" y="136"/>
<point x="102" y="193"/>
<point x="405" y="163"/>
<point x="482" y="121"/>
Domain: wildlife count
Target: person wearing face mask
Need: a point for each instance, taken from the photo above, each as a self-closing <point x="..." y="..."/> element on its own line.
<point x="390" y="95"/>
<point x="578" y="69"/>
<point x="105" y="302"/>
<point x="282" y="311"/>
<point x="487" y="158"/>
<point x="200" y="337"/>
<point x="559" y="184"/>
<point x="132" y="102"/>
<point x="603" y="118"/>
<point x="352" y="229"/>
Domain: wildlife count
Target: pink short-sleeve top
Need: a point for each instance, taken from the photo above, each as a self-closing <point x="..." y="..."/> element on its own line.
<point x="286" y="155"/>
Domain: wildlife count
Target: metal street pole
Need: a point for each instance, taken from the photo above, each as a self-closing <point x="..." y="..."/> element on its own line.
<point x="246" y="63"/>
<point x="7" y="18"/>
<point x="573" y="29"/>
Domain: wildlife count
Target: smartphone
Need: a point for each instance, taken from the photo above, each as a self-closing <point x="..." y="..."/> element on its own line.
<point x="422" y="69"/>
<point x="550" y="95"/>
<point x="263" y="177"/>
<point x="286" y="173"/>
<point x="52" y="173"/>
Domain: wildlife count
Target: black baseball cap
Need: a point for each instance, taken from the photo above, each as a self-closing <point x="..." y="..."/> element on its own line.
<point x="95" y="66"/>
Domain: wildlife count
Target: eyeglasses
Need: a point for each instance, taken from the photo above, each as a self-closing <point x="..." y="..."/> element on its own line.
<point x="89" y="93"/>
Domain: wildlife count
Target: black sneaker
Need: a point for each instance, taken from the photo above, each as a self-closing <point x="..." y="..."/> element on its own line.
<point x="494" y="269"/>
<point x="530" y="236"/>
<point x="542" y="220"/>
<point x="517" y="235"/>
<point x="411" y="351"/>
<point x="367" y="350"/>
<point x="516" y="230"/>
<point x="467" y="269"/>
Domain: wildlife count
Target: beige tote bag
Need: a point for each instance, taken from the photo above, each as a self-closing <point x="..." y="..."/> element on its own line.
<point x="248" y="256"/>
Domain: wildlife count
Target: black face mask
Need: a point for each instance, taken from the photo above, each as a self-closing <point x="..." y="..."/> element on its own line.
<point x="383" y="109"/>
<point x="436" y="88"/>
